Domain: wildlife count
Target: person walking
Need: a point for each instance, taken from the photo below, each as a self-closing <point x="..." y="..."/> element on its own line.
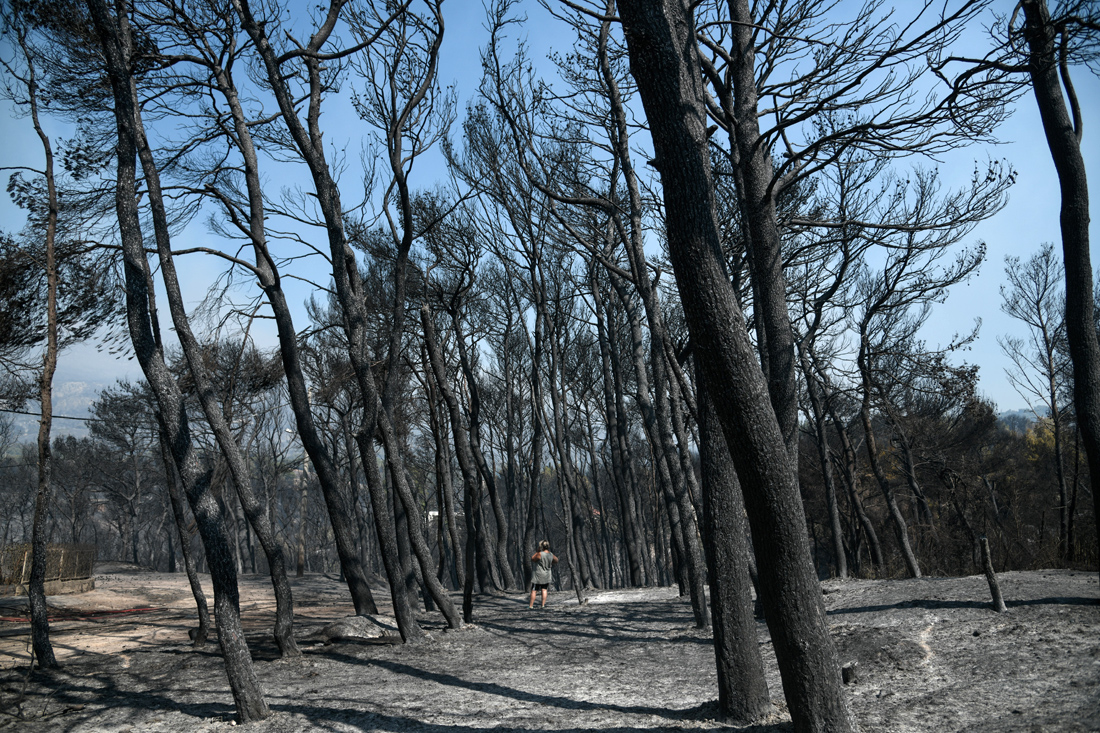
<point x="544" y="561"/>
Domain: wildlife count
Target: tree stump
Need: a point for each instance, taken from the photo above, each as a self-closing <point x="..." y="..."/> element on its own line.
<point x="991" y="577"/>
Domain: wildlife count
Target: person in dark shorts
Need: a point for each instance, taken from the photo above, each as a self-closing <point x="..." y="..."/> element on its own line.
<point x="544" y="561"/>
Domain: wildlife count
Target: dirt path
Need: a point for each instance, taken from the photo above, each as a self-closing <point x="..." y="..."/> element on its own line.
<point x="931" y="655"/>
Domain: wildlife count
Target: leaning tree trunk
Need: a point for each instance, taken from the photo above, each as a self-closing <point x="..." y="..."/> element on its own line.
<point x="1063" y="134"/>
<point x="632" y="483"/>
<point x="415" y="524"/>
<point x="267" y="274"/>
<point x="742" y="689"/>
<point x="409" y="572"/>
<point x="632" y="239"/>
<point x="610" y="566"/>
<point x="578" y="561"/>
<point x="244" y="685"/>
<point x="346" y="276"/>
<point x="668" y="406"/>
<point x="447" y="515"/>
<point x="909" y="463"/>
<point x="653" y="402"/>
<point x="566" y="489"/>
<point x="664" y="60"/>
<point x="754" y="173"/>
<point x="212" y="409"/>
<point x="850" y="465"/>
<point x="682" y="475"/>
<point x="199" y="637"/>
<point x="385" y="528"/>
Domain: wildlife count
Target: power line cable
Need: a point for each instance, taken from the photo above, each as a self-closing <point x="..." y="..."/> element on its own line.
<point x="55" y="417"/>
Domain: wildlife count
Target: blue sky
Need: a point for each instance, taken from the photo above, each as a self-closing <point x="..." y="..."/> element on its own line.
<point x="1030" y="218"/>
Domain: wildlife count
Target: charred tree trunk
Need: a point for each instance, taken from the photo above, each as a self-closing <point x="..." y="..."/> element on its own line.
<point x="909" y="462"/>
<point x="470" y="476"/>
<point x="901" y="531"/>
<point x="502" y="540"/>
<point x="404" y="544"/>
<point x="1063" y="134"/>
<point x="335" y="493"/>
<point x="817" y="409"/>
<point x="415" y="526"/>
<point x="742" y="690"/>
<point x="851" y="480"/>
<point x="386" y="529"/>
<point x="198" y="640"/>
<point x="245" y="687"/>
<point x="40" y="624"/>
<point x="664" y="60"/>
<point x="634" y="496"/>
<point x="443" y="471"/>
<point x="212" y="409"/>
<point x="628" y="510"/>
<point x="691" y="556"/>
<point x="349" y="287"/>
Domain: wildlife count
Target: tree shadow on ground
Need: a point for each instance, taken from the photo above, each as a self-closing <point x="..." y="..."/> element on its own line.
<point x="937" y="604"/>
<point x="380" y="721"/>
<point x="492" y="688"/>
<point x="626" y="635"/>
<point x="57" y="692"/>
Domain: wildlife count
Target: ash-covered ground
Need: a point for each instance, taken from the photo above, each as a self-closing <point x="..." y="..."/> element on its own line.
<point x="931" y="655"/>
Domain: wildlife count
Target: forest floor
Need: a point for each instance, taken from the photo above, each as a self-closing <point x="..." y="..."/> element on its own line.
<point x="931" y="654"/>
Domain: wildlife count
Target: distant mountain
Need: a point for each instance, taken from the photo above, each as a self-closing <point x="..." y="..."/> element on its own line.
<point x="70" y="400"/>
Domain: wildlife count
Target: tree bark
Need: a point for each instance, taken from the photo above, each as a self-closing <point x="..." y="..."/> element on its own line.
<point x="502" y="540"/>
<point x="40" y="624"/>
<point x="756" y="195"/>
<point x="198" y="639"/>
<point x="742" y="689"/>
<point x="267" y="274"/>
<point x="1063" y="134"/>
<point x="212" y="409"/>
<point x="817" y="409"/>
<point x="245" y="687"/>
<point x="664" y="60"/>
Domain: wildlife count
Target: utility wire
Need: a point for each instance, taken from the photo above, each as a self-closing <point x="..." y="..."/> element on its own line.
<point x="55" y="417"/>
